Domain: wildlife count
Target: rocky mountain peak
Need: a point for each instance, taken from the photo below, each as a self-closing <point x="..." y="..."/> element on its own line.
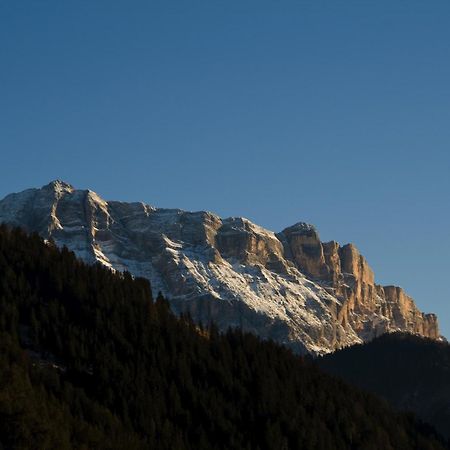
<point x="302" y="228"/>
<point x="302" y="245"/>
<point x="58" y="186"/>
<point x="249" y="243"/>
<point x="290" y="286"/>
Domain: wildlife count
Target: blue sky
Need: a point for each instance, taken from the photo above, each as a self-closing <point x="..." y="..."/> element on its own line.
<point x="331" y="112"/>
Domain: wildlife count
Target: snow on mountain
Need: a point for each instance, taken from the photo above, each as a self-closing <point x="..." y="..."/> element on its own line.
<point x="290" y="287"/>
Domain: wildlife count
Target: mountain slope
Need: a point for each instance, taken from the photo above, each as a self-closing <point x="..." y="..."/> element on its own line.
<point x="312" y="296"/>
<point x="88" y="360"/>
<point x="413" y="373"/>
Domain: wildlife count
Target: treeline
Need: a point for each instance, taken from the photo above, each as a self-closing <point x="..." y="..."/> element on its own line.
<point x="412" y="372"/>
<point x="89" y="360"/>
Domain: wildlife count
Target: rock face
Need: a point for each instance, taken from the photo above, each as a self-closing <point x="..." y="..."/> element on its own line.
<point x="290" y="287"/>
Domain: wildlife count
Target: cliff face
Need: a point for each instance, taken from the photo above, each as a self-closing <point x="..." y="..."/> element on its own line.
<point x="290" y="287"/>
<point x="370" y="309"/>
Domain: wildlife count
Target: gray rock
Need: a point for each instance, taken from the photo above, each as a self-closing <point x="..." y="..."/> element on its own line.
<point x="290" y="287"/>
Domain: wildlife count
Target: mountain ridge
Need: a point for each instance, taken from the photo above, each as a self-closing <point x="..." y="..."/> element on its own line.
<point x="289" y="286"/>
<point x="411" y="372"/>
<point x="90" y="360"/>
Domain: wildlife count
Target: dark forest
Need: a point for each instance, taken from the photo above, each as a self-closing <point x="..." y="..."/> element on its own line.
<point x="90" y="360"/>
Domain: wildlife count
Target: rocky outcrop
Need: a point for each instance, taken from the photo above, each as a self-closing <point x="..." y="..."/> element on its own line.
<point x="370" y="309"/>
<point x="303" y="247"/>
<point x="405" y="315"/>
<point x="290" y="287"/>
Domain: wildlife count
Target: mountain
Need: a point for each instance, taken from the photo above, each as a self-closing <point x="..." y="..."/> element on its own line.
<point x="411" y="372"/>
<point x="88" y="360"/>
<point x="290" y="287"/>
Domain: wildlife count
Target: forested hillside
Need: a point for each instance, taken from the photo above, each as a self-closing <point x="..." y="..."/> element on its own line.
<point x="89" y="360"/>
<point x="412" y="372"/>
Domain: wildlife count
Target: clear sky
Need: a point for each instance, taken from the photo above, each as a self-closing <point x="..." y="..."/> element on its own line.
<point x="331" y="112"/>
